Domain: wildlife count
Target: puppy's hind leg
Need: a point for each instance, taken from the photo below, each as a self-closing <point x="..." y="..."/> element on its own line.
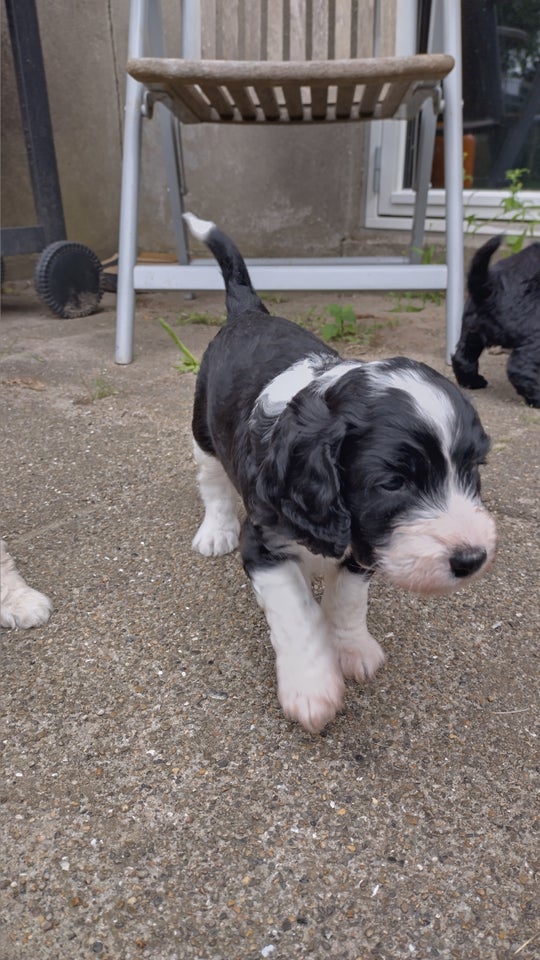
<point x="524" y="372"/>
<point x="218" y="533"/>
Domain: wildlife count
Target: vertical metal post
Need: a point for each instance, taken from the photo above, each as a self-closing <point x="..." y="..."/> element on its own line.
<point x="426" y="142"/>
<point x="191" y="30"/>
<point x="171" y="143"/>
<point x="129" y="201"/>
<point x="453" y="172"/>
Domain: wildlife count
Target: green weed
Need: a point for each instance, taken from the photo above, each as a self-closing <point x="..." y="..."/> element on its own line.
<point x="275" y="298"/>
<point x="310" y="320"/>
<point x="342" y="325"/>
<point x="102" y="388"/>
<point x="340" y="322"/>
<point x="98" y="389"/>
<point x="200" y="317"/>
<point x="188" y="363"/>
<point x="520" y="215"/>
<point x="407" y="301"/>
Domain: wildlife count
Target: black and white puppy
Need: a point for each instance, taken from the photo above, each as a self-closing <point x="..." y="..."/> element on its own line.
<point x="344" y="467"/>
<point x="503" y="310"/>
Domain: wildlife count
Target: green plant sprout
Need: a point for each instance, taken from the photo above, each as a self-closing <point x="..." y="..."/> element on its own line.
<point x="275" y="298"/>
<point x="309" y="320"/>
<point x="98" y="389"/>
<point x="342" y="326"/>
<point x="514" y="211"/>
<point x="188" y="363"/>
<point x="200" y="317"/>
<point x="103" y="388"/>
<point x="429" y="256"/>
<point x="406" y="302"/>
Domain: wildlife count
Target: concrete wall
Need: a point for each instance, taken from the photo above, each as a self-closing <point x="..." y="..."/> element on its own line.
<point x="279" y="191"/>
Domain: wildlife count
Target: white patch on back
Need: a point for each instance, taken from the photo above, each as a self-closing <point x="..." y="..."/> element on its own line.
<point x="277" y="394"/>
<point x="280" y="391"/>
<point x="331" y="376"/>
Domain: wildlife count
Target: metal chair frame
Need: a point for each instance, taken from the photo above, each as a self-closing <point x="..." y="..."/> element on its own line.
<point x="193" y="89"/>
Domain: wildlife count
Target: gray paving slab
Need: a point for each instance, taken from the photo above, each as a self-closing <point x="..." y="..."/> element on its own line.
<point x="155" y="802"/>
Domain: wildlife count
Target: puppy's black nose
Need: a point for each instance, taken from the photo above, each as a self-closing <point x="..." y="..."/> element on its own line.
<point x="467" y="560"/>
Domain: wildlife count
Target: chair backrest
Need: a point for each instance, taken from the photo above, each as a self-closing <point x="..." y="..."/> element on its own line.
<point x="288" y="29"/>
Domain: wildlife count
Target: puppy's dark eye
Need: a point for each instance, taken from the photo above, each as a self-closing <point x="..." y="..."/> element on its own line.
<point x="394" y="482"/>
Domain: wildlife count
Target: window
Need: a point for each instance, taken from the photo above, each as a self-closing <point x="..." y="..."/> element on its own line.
<point x="501" y="118"/>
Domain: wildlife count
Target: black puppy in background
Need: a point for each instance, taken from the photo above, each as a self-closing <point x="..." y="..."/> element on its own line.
<point x="503" y="310"/>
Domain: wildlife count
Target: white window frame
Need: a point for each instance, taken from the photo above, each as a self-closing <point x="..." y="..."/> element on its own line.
<point x="388" y="205"/>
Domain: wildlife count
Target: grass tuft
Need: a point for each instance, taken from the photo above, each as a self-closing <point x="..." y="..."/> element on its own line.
<point x="188" y="363"/>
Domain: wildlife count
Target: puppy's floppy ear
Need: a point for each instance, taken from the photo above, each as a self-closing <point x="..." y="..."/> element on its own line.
<point x="299" y="477"/>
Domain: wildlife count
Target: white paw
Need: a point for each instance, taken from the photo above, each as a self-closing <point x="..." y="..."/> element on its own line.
<point x="25" y="608"/>
<point x="311" y="696"/>
<point x="359" y="657"/>
<point x="213" y="541"/>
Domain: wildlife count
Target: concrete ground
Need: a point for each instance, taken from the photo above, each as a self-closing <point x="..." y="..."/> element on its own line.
<point x="156" y="804"/>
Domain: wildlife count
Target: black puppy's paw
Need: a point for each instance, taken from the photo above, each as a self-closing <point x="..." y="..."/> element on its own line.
<point x="477" y="382"/>
<point x="467" y="377"/>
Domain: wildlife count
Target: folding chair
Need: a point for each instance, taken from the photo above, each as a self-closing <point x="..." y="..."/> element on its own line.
<point x="344" y="89"/>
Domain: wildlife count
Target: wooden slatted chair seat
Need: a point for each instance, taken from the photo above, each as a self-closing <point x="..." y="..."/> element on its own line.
<point x="232" y="91"/>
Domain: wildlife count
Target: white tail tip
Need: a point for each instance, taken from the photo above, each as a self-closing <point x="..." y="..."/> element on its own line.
<point x="200" y="229"/>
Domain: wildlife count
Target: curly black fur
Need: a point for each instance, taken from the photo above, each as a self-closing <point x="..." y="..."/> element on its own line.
<point x="503" y="310"/>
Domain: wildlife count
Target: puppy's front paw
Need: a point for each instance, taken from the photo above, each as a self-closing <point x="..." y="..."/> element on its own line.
<point x="311" y="695"/>
<point x="466" y="372"/>
<point x="477" y="382"/>
<point x="213" y="541"/>
<point x="25" y="608"/>
<point x="359" y="657"/>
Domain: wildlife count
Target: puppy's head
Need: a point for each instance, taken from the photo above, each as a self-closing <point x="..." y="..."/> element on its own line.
<point x="384" y="461"/>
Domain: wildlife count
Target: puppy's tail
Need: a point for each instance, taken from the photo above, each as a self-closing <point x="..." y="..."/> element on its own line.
<point x="240" y="294"/>
<point x="479" y="281"/>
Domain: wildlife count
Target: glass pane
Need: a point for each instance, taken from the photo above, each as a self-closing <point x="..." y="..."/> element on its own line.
<point x="501" y="90"/>
<point x="501" y="94"/>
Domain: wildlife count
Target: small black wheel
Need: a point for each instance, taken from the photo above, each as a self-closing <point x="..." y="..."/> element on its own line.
<point x="69" y="279"/>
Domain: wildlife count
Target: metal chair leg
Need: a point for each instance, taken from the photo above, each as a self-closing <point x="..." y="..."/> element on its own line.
<point x="426" y="143"/>
<point x="129" y="201"/>
<point x="453" y="167"/>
